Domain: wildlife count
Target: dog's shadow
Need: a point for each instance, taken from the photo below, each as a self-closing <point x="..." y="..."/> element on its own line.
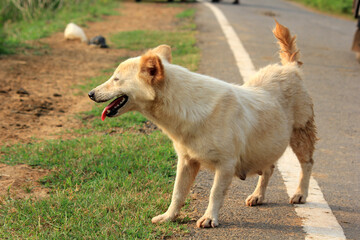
<point x="244" y="217"/>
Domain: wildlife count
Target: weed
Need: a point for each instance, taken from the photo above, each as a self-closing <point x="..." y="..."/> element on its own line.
<point x="28" y="189"/>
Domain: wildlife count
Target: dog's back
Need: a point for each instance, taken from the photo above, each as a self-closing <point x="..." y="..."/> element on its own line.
<point x="285" y="81"/>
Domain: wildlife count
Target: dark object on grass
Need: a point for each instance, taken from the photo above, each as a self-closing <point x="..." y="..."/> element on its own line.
<point x="22" y="91"/>
<point x="99" y="41"/>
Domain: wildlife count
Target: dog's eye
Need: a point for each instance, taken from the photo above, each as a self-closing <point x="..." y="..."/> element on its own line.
<point x="116" y="79"/>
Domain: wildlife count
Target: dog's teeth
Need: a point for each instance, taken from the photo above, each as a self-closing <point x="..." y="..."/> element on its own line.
<point x="108" y="111"/>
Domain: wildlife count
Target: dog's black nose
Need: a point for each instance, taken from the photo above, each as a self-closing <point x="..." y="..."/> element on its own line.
<point x="92" y="95"/>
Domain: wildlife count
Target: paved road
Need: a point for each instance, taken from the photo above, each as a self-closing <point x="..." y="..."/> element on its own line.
<point x="332" y="77"/>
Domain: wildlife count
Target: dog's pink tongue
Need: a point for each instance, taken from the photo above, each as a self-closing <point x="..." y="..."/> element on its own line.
<point x="112" y="104"/>
<point x="103" y="115"/>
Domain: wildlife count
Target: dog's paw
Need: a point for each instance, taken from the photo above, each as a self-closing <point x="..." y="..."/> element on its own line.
<point x="254" y="200"/>
<point x="162" y="218"/>
<point x="298" y="198"/>
<point x="207" y="222"/>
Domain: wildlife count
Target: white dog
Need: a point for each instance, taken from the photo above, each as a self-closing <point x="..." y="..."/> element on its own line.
<point x="230" y="129"/>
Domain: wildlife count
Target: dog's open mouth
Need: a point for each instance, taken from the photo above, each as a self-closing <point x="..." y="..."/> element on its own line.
<point x="113" y="108"/>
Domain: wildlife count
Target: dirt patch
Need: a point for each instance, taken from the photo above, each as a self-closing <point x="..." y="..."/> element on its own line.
<point x="37" y="96"/>
<point x="21" y="181"/>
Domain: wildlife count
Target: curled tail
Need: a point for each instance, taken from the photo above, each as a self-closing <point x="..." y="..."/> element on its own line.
<point x="288" y="50"/>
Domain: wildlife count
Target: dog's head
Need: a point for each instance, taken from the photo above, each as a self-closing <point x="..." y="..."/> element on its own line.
<point x="133" y="84"/>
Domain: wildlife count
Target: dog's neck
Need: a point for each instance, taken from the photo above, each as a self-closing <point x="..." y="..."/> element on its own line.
<point x="185" y="100"/>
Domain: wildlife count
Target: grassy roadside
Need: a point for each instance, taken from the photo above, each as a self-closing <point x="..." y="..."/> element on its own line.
<point x="341" y="7"/>
<point x="103" y="185"/>
<point x="16" y="28"/>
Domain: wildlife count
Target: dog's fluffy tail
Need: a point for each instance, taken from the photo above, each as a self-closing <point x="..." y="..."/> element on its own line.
<point x="288" y="50"/>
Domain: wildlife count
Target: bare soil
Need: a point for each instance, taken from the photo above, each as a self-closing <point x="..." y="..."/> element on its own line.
<point x="21" y="181"/>
<point x="37" y="93"/>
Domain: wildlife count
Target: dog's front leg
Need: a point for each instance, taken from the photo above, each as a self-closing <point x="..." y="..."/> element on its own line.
<point x="258" y="196"/>
<point x="222" y="181"/>
<point x="186" y="172"/>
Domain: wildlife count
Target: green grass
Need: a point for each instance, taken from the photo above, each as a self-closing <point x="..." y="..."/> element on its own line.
<point x="102" y="186"/>
<point x="188" y="13"/>
<point x="330" y="6"/>
<point x="15" y="33"/>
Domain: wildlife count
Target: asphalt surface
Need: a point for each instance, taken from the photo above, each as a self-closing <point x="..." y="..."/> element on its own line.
<point x="332" y="77"/>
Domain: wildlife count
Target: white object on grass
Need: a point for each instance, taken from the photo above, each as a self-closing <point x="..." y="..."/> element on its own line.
<point x="73" y="31"/>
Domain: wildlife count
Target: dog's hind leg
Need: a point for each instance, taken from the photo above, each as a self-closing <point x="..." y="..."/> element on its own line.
<point x="258" y="196"/>
<point x="302" y="143"/>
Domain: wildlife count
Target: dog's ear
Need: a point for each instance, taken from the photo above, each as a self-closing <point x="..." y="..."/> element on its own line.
<point x="164" y="51"/>
<point x="151" y="68"/>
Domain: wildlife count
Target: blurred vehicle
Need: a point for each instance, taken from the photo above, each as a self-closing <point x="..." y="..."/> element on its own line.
<point x="356" y="42"/>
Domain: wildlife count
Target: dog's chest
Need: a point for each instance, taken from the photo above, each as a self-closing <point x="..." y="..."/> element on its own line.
<point x="202" y="153"/>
